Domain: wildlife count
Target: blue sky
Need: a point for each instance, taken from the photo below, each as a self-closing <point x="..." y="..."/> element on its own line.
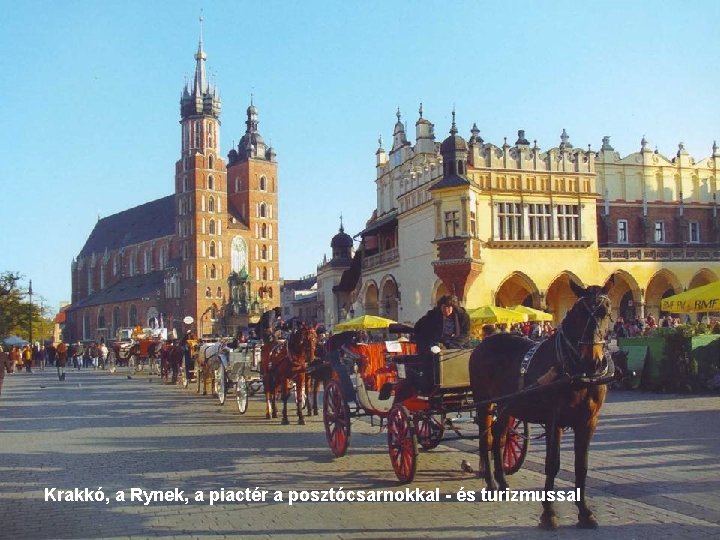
<point x="90" y="93"/>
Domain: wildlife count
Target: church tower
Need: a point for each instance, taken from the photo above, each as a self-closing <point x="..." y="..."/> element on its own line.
<point x="253" y="199"/>
<point x="201" y="198"/>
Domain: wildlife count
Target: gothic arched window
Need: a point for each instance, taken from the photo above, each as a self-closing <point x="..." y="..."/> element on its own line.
<point x="263" y="210"/>
<point x="211" y="227"/>
<point x="213" y="272"/>
<point x="212" y="250"/>
<point x="211" y="181"/>
<point x="263" y="183"/>
<point x="211" y="204"/>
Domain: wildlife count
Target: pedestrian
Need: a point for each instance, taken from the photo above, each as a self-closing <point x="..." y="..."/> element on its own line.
<point x="15" y="358"/>
<point x="5" y="365"/>
<point x="42" y="357"/>
<point x="103" y="352"/>
<point x="50" y="352"/>
<point x="27" y="357"/>
<point x="61" y="359"/>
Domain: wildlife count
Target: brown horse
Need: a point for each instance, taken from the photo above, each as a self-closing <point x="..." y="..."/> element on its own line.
<point x="285" y="364"/>
<point x="558" y="383"/>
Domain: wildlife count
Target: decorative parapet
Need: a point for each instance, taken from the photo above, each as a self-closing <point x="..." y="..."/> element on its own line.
<point x="659" y="254"/>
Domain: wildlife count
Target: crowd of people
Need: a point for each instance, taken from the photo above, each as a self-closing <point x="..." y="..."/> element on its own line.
<point x="39" y="356"/>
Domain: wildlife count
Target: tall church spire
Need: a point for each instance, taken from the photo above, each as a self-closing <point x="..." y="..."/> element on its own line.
<point x="200" y="99"/>
<point x="200" y="83"/>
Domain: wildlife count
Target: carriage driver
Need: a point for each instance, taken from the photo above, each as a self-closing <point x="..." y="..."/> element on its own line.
<point x="268" y="323"/>
<point x="446" y="325"/>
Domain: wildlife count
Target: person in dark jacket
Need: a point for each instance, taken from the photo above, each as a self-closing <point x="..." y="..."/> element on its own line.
<point x="268" y="323"/>
<point x="447" y="325"/>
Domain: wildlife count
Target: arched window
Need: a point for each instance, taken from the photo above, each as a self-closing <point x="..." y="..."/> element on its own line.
<point x="264" y="273"/>
<point x="208" y="293"/>
<point x="186" y="251"/>
<point x="147" y="261"/>
<point x="185" y="183"/>
<point x="115" y="320"/>
<point x="101" y="318"/>
<point x="269" y="292"/>
<point x="211" y="180"/>
<point x="263" y="183"/>
<point x="263" y="210"/>
<point x="212" y="249"/>
<point x="211" y="227"/>
<point x="197" y="134"/>
<point x="263" y="231"/>
<point x="132" y="316"/>
<point x="219" y="292"/>
<point x="211" y="204"/>
<point x="211" y="163"/>
<point x="213" y="272"/>
<point x="263" y="253"/>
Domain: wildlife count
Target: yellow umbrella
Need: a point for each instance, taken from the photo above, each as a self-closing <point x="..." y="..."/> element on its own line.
<point x="363" y="322"/>
<point x="496" y="315"/>
<point x="532" y="313"/>
<point x="700" y="299"/>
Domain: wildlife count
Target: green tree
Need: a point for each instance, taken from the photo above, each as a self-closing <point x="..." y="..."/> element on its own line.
<point x="16" y="312"/>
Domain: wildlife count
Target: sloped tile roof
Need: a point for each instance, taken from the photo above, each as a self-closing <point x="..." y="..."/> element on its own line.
<point x="132" y="288"/>
<point x="140" y="224"/>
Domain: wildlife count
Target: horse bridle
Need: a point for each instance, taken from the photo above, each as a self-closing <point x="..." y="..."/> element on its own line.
<point x="573" y="360"/>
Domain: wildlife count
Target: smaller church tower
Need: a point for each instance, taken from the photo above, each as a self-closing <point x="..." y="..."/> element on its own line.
<point x="253" y="199"/>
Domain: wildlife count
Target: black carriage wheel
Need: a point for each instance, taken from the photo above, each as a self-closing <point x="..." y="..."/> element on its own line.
<point x="336" y="417"/>
<point x="517" y="439"/>
<point x="429" y="430"/>
<point x="241" y="394"/>
<point x="402" y="443"/>
<point x="220" y="386"/>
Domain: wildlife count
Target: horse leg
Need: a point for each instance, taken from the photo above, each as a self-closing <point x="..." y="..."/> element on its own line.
<point x="548" y="519"/>
<point x="583" y="435"/>
<point x="484" y="418"/>
<point x="299" y="390"/>
<point x="499" y="432"/>
<point x="315" y="390"/>
<point x="307" y="386"/>
<point x="285" y="395"/>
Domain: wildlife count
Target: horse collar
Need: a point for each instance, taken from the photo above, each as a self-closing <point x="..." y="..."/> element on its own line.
<point x="525" y="365"/>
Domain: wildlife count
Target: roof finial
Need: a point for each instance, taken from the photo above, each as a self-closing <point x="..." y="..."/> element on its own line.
<point x="453" y="128"/>
<point x="398" y="113"/>
<point x="201" y="25"/>
<point x="380" y="141"/>
<point x="252" y="96"/>
<point x="420" y="110"/>
<point x="342" y="229"/>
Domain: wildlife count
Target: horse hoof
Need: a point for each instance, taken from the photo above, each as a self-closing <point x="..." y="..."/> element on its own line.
<point x="267" y="416"/>
<point x="274" y="415"/>
<point x="301" y="421"/>
<point x="549" y="522"/>
<point x="587" y="522"/>
<point x="285" y="421"/>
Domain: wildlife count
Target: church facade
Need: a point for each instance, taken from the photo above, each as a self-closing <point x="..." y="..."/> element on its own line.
<point x="209" y="251"/>
<point x="513" y="224"/>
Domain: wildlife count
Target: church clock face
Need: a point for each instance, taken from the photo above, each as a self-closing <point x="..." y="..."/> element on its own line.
<point x="239" y="253"/>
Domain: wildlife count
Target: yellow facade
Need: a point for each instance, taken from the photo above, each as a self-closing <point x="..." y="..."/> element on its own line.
<point x="519" y="223"/>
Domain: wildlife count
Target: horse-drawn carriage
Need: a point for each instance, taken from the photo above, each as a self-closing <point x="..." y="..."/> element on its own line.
<point x="559" y="383"/>
<point x="426" y="390"/>
<point x="228" y="368"/>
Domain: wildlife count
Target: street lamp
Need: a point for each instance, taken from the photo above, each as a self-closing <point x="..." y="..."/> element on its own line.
<point x="30" y="294"/>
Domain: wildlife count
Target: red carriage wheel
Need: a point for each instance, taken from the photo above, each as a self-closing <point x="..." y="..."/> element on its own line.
<point x="429" y="430"/>
<point x="516" y="445"/>
<point x="336" y="417"/>
<point x="402" y="443"/>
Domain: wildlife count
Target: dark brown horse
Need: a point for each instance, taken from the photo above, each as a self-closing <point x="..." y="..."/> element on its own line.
<point x="285" y="364"/>
<point x="562" y="384"/>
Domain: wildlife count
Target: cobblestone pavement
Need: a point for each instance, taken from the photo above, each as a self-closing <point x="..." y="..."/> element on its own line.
<point x="654" y="469"/>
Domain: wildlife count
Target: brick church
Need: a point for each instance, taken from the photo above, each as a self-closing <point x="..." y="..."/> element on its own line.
<point x="208" y="251"/>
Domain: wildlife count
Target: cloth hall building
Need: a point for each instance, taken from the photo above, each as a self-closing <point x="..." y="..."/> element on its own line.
<point x="209" y="250"/>
<point x="512" y="224"/>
